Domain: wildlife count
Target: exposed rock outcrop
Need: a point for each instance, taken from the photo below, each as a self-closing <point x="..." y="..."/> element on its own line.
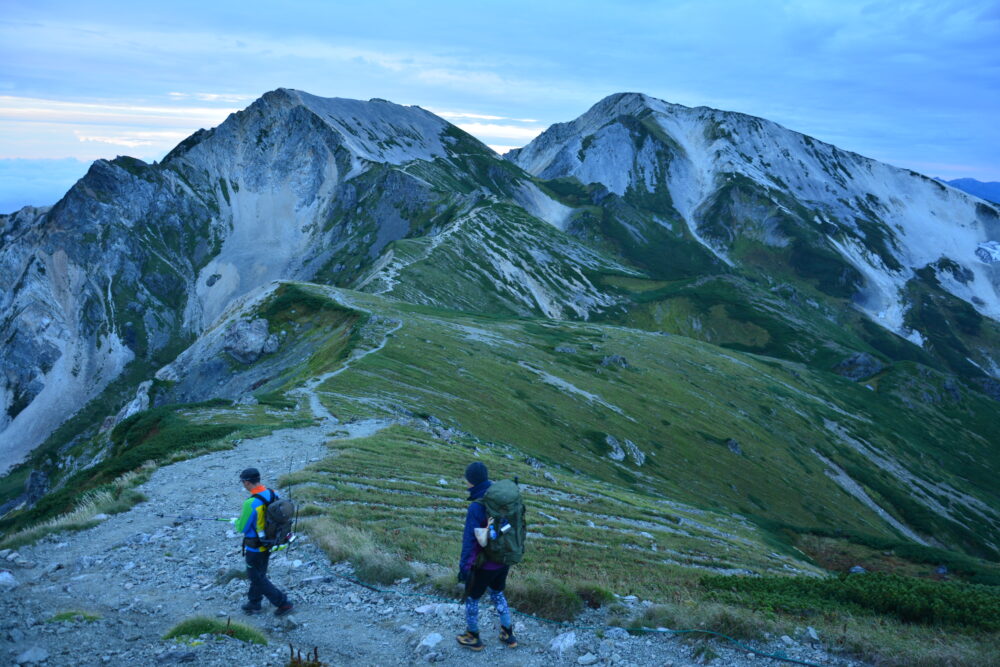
<point x="859" y="366"/>
<point x="246" y="341"/>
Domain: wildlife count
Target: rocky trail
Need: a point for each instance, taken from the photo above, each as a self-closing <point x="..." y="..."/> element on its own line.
<point x="140" y="574"/>
<point x="124" y="583"/>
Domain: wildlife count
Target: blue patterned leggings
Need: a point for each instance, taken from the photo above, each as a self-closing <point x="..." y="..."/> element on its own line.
<point x="496" y="581"/>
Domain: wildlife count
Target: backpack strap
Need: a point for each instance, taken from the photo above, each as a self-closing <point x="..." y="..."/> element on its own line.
<point x="260" y="497"/>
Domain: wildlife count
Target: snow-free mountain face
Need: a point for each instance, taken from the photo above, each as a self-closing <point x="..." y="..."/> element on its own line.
<point x="761" y="198"/>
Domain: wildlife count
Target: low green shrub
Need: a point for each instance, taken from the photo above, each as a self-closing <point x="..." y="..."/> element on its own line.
<point x="725" y="619"/>
<point x="202" y="625"/>
<point x="544" y="596"/>
<point x="973" y="570"/>
<point x="952" y="604"/>
<point x="155" y="436"/>
<point x="69" y="616"/>
<point x="381" y="568"/>
<point x="594" y="596"/>
<point x="117" y="496"/>
<point x="275" y="399"/>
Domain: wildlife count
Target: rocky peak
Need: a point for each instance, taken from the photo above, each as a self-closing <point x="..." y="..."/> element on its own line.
<point x="373" y="131"/>
<point x="379" y="130"/>
<point x="886" y="223"/>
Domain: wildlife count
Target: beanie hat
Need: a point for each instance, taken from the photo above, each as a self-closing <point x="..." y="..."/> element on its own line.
<point x="476" y="473"/>
<point x="250" y="475"/>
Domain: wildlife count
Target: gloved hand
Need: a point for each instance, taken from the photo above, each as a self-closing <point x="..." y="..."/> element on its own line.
<point x="463" y="575"/>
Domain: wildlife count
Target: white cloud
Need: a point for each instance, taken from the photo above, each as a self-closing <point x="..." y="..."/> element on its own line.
<point x="479" y="116"/>
<point x="496" y="131"/>
<point x="134" y="139"/>
<point x="58" y="111"/>
<point x="500" y="150"/>
<point x="213" y="97"/>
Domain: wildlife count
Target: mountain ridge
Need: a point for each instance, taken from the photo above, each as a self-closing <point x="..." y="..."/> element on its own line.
<point x="713" y="141"/>
<point x="678" y="234"/>
<point x="989" y="190"/>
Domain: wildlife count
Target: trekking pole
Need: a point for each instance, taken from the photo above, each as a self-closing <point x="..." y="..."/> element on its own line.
<point x="288" y="545"/>
<point x="191" y="517"/>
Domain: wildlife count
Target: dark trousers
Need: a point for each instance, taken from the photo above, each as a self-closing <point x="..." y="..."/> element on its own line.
<point x="480" y="580"/>
<point x="260" y="585"/>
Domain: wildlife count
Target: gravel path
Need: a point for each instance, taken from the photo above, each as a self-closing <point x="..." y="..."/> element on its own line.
<point x="140" y="574"/>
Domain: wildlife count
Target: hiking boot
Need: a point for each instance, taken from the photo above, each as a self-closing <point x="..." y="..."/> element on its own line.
<point x="250" y="608"/>
<point x="471" y="640"/>
<point x="507" y="637"/>
<point x="284" y="609"/>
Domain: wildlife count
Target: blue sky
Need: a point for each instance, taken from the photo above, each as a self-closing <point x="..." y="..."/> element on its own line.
<point x="913" y="83"/>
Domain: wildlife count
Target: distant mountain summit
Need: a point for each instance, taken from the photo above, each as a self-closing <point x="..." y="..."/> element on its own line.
<point x="990" y="191"/>
<point x="853" y="226"/>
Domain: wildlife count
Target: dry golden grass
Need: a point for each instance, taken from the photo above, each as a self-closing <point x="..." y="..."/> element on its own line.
<point x="113" y="498"/>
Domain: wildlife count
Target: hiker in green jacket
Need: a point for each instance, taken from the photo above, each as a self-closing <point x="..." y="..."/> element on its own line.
<point x="251" y="523"/>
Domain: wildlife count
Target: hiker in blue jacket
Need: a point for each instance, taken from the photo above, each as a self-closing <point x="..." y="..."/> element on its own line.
<point x="486" y="574"/>
<point x="251" y="523"/>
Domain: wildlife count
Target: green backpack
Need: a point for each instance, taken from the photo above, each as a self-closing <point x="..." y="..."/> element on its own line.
<point x="503" y="504"/>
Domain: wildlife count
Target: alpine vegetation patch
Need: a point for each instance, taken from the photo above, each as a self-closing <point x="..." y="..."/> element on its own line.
<point x="199" y="626"/>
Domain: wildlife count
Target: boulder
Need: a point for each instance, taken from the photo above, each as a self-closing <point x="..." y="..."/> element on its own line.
<point x="246" y="341"/>
<point x="633" y="451"/>
<point x="616" y="453"/>
<point x="8" y="581"/>
<point x="32" y="655"/>
<point x="859" y="366"/>
<point x="614" y="360"/>
<point x="562" y="643"/>
<point x="138" y="404"/>
<point x="36" y="486"/>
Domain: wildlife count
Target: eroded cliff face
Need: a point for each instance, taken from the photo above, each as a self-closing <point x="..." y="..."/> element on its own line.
<point x="137" y="259"/>
<point x="98" y="281"/>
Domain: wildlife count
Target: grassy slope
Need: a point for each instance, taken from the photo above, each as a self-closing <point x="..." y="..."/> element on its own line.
<point x="581" y="530"/>
<point x="681" y="401"/>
